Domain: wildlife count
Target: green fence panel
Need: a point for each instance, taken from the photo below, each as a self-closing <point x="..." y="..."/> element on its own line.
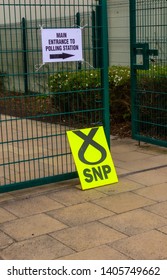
<point x="39" y="101"/>
<point x="148" y="21"/>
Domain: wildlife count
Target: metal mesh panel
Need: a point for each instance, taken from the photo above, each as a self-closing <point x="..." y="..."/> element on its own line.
<point x="34" y="119"/>
<point x="149" y="70"/>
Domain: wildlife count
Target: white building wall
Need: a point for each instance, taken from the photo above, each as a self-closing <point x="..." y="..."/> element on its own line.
<point x="119" y="38"/>
<point x="19" y="9"/>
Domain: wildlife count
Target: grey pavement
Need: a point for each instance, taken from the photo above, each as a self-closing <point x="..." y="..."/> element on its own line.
<point x="126" y="220"/>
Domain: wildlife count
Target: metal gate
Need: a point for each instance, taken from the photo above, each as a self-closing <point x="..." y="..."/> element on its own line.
<point x="148" y="20"/>
<point x="39" y="101"/>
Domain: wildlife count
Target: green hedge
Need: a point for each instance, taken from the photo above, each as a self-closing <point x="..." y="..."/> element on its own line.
<point x="88" y="86"/>
<point x="119" y="86"/>
<point x="87" y="83"/>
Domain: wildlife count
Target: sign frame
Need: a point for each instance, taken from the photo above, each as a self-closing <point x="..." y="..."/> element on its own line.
<point x="61" y="44"/>
<point x="92" y="157"/>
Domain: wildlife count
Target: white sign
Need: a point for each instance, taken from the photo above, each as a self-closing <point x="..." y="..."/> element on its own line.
<point x="62" y="45"/>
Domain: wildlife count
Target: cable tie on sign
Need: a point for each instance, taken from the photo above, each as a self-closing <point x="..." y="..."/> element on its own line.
<point x="41" y="26"/>
<point x="81" y="27"/>
<point x="39" y="66"/>
<point x="88" y="64"/>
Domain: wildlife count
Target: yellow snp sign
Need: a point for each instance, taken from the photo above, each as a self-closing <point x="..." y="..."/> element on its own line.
<point x="92" y="157"/>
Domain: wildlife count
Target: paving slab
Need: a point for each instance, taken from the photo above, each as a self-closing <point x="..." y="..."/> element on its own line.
<point x="163" y="229"/>
<point x="39" y="248"/>
<point x="121" y="171"/>
<point x="133" y="155"/>
<point x="161" y="159"/>
<point x="5" y="240"/>
<point x="103" y="252"/>
<point x="123" y="148"/>
<point x="158" y="208"/>
<point x="163" y="170"/>
<point x="135" y="222"/>
<point x="31" y="206"/>
<point x="123" y="202"/>
<point x="138" y="164"/>
<point x="5" y="197"/>
<point x="31" y="226"/>
<point x="75" y="196"/>
<point x="80" y="214"/>
<point x="6" y="216"/>
<point x="87" y="236"/>
<point x="149" y="178"/>
<point x="124" y="185"/>
<point x="149" y="245"/>
<point x="156" y="192"/>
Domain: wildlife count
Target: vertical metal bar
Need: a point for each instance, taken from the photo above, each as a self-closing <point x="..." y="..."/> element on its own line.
<point x="78" y="21"/>
<point x="99" y="33"/>
<point x="133" y="61"/>
<point x="104" y="69"/>
<point x="25" y="56"/>
<point x="94" y="39"/>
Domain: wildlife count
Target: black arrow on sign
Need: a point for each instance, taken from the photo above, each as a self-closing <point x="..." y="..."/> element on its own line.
<point x="60" y="55"/>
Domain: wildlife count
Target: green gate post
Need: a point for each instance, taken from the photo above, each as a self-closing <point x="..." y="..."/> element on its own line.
<point x="104" y="69"/>
<point x="133" y="61"/>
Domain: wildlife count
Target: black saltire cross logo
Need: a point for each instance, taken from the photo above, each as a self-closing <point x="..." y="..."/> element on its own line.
<point x="88" y="140"/>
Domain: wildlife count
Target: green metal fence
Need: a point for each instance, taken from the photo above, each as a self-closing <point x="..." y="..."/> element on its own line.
<point x="40" y="101"/>
<point x="149" y="70"/>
